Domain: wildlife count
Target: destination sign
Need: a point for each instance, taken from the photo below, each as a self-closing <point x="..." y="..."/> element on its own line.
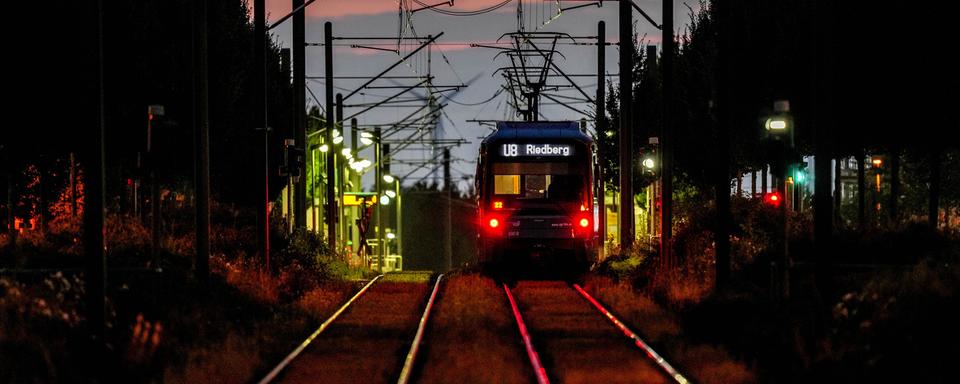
<point x="526" y="150"/>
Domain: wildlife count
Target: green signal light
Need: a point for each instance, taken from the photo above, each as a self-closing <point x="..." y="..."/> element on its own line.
<point x="799" y="176"/>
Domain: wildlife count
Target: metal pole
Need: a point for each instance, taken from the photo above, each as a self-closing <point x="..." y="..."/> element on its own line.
<point x="724" y="122"/>
<point x="353" y="233"/>
<point x="933" y="209"/>
<point x="203" y="151"/>
<point x="339" y="158"/>
<point x="626" y="125"/>
<point x="96" y="262"/>
<point x="666" y="140"/>
<point x="331" y="168"/>
<point x="448" y="241"/>
<point x="73" y="186"/>
<point x="837" y="191"/>
<point x="653" y="139"/>
<point x="11" y="221"/>
<point x="377" y="157"/>
<point x="260" y="122"/>
<point x="861" y="190"/>
<point x="299" y="114"/>
<point x="601" y="125"/>
<point x="765" y="174"/>
<point x="399" y="220"/>
<point x="154" y="192"/>
<point x="895" y="186"/>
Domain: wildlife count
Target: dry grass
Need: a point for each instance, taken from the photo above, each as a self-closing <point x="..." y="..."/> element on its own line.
<point x="321" y="302"/>
<point x="231" y="361"/>
<point x="472" y="337"/>
<point x="701" y="363"/>
<point x="247" y="278"/>
<point x="657" y="325"/>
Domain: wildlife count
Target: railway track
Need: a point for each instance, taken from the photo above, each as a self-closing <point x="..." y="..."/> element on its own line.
<point x="570" y="337"/>
<point x="373" y="337"/>
<point x="384" y="334"/>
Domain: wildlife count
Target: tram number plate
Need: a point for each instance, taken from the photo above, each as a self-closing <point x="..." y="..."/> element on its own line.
<point x="525" y="150"/>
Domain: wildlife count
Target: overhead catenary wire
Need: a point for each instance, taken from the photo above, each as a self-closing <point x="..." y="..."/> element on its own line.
<point x="465" y="13"/>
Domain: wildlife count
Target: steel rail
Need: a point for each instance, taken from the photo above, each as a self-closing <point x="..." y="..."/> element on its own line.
<point x="531" y="353"/>
<point x="676" y="376"/>
<point x="418" y="338"/>
<point x="296" y="352"/>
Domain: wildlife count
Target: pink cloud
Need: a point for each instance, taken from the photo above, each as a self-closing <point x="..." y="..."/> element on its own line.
<point x="333" y="9"/>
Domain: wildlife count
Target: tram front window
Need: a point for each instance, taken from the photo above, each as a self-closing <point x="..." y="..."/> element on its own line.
<point x="540" y="181"/>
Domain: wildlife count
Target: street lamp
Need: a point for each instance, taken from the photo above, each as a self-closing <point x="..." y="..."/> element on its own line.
<point x="779" y="128"/>
<point x="366" y="138"/>
<point x="395" y="194"/>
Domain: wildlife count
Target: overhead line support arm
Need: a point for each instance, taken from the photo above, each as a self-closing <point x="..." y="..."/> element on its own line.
<point x="384" y="72"/>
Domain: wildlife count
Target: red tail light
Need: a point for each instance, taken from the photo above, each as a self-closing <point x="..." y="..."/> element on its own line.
<point x="772" y="198"/>
<point x="584" y="222"/>
<point x="494" y="223"/>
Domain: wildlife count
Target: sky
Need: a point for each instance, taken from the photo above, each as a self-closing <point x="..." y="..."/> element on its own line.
<point x="453" y="61"/>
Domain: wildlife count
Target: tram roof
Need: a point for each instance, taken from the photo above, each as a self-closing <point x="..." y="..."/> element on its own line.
<point x="510" y="130"/>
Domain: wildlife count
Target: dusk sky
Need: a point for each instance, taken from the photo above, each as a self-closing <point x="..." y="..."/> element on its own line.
<point x="381" y="18"/>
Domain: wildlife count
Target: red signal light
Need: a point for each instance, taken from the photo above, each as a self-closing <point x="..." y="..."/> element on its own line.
<point x="773" y="199"/>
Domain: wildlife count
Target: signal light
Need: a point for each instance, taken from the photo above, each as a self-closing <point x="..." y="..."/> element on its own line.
<point x="494" y="223"/>
<point x="772" y="198"/>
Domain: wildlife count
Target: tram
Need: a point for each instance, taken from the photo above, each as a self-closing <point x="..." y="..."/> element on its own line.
<point x="536" y="197"/>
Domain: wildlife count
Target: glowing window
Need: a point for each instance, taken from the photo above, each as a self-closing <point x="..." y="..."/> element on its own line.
<point x="506" y="184"/>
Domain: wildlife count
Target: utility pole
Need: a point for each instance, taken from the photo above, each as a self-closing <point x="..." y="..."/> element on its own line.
<point x="861" y="190"/>
<point x="260" y="122"/>
<point x="654" y="140"/>
<point x="626" y="125"/>
<point x="724" y="108"/>
<point x="823" y="116"/>
<point x="837" y="191"/>
<point x="299" y="115"/>
<point x="154" y="183"/>
<point x="895" y="186"/>
<point x="601" y="125"/>
<point x="764" y="173"/>
<point x="933" y="210"/>
<point x="378" y="159"/>
<point x="93" y="244"/>
<point x="73" y="186"/>
<point x="11" y="221"/>
<point x="203" y="148"/>
<point x="355" y="181"/>
<point x="331" y="124"/>
<point x="666" y="140"/>
<point x="340" y="173"/>
<point x="448" y="241"/>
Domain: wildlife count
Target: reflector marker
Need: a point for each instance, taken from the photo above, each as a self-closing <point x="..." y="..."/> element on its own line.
<point x="639" y="342"/>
